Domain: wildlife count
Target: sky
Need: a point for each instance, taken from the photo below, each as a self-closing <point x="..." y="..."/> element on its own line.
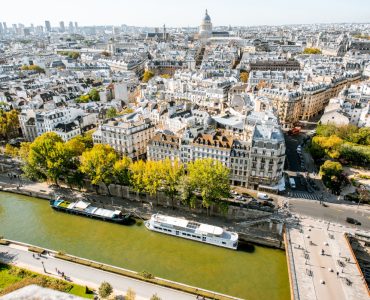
<point x="179" y="13"/>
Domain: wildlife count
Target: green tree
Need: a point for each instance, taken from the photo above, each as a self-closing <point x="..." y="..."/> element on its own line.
<point x="36" y="68"/>
<point x="105" y="289"/>
<point x="312" y="51"/>
<point x="130" y="294"/>
<point x="122" y="170"/>
<point x="48" y="158"/>
<point x="94" y="95"/>
<point x="186" y="190"/>
<point x="97" y="164"/>
<point x="155" y="297"/>
<point x="153" y="177"/>
<point x="147" y="76"/>
<point x="211" y="178"/>
<point x="111" y="113"/>
<point x="11" y="150"/>
<point x="172" y="172"/>
<point x="9" y="124"/>
<point x="332" y="175"/>
<point x="137" y="171"/>
<point x="76" y="145"/>
<point x="24" y="150"/>
<point x="244" y="76"/>
<point x="166" y="76"/>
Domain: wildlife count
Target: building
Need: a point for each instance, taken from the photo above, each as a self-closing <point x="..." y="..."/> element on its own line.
<point x="127" y="135"/>
<point x="288" y="105"/>
<point x="255" y="153"/>
<point x="47" y="26"/>
<point x="61" y="26"/>
<point x="205" y="28"/>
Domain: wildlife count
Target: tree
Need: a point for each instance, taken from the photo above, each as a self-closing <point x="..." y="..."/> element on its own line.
<point x="105" y="289"/>
<point x="147" y="76"/>
<point x="76" y="145"/>
<point x="106" y="54"/>
<point x="312" y="51"/>
<point x="211" y="177"/>
<point x="11" y="151"/>
<point x="186" y="190"/>
<point x="332" y="175"/>
<point x="166" y="76"/>
<point x="94" y="95"/>
<point x="97" y="164"/>
<point x="137" y="171"/>
<point x="122" y="170"/>
<point x="48" y="158"/>
<point x="9" y="124"/>
<point x="130" y="294"/>
<point x="171" y="174"/>
<point x="244" y="76"/>
<point x="330" y="145"/>
<point x="35" y="68"/>
<point x="24" y="150"/>
<point x="111" y="113"/>
<point x="155" y="297"/>
<point x="153" y="177"/>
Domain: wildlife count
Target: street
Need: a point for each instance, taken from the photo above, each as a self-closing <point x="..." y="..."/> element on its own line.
<point x="332" y="212"/>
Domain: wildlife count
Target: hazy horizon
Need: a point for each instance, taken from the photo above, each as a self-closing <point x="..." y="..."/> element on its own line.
<point x="185" y="13"/>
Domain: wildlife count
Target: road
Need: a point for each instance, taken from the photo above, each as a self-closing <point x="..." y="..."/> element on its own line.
<point x="88" y="276"/>
<point x="333" y="212"/>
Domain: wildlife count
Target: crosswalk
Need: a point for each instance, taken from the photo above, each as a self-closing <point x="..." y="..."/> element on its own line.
<point x="303" y="195"/>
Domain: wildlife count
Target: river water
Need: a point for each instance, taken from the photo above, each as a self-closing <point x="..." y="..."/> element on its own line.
<point x="259" y="273"/>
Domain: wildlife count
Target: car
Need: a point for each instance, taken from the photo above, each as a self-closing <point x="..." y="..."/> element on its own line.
<point x="262" y="196"/>
<point x="352" y="221"/>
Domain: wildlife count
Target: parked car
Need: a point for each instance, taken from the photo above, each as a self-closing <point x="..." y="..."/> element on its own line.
<point x="262" y="196"/>
<point x="292" y="183"/>
<point x="352" y="221"/>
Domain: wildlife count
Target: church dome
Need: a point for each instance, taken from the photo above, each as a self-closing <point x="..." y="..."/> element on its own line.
<point x="207" y="18"/>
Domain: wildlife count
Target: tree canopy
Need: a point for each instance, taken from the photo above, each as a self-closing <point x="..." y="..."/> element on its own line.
<point x="332" y="175"/>
<point x="244" y="76"/>
<point x="147" y="76"/>
<point x="312" y="51"/>
<point x="9" y="124"/>
<point x="97" y="164"/>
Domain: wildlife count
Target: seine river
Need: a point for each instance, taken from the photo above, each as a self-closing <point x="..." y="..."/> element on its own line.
<point x="260" y="273"/>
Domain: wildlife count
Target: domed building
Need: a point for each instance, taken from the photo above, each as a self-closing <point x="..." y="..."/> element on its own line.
<point x="205" y="28"/>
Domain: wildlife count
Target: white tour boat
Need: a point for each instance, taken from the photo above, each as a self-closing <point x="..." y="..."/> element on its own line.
<point x="193" y="231"/>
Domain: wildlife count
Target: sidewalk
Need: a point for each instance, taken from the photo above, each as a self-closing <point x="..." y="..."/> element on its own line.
<point x="327" y="276"/>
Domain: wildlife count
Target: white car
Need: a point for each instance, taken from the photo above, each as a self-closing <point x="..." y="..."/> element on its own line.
<point x="263" y="196"/>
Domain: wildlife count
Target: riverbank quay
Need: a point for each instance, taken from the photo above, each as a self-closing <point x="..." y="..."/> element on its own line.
<point x="91" y="273"/>
<point x="256" y="227"/>
<point x="320" y="261"/>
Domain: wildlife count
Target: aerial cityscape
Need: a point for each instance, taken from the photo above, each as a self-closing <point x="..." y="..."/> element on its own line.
<point x="185" y="150"/>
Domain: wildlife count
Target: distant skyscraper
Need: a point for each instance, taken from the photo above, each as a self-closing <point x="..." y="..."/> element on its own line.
<point x="61" y="25"/>
<point x="4" y="27"/>
<point x="1" y="28"/>
<point x="47" y="26"/>
<point x="76" y="26"/>
<point x="70" y="27"/>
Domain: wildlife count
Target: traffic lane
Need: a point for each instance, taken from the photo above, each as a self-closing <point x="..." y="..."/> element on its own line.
<point x="292" y="142"/>
<point x="330" y="213"/>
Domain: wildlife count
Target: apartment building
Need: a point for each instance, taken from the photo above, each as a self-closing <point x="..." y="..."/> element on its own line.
<point x="127" y="135"/>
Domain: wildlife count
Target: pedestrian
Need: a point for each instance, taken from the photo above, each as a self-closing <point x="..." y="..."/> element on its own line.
<point x="33" y="255"/>
<point x="337" y="273"/>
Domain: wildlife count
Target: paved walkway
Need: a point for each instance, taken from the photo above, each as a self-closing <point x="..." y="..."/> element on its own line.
<point x="84" y="275"/>
<point x="331" y="275"/>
